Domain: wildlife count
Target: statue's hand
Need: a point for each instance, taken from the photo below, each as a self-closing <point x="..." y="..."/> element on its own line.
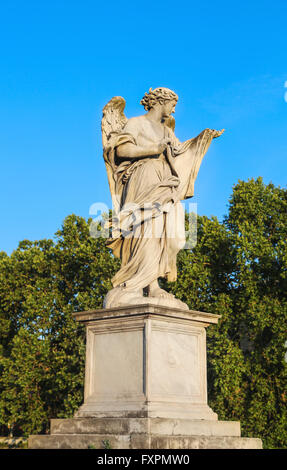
<point x="216" y="134"/>
<point x="166" y="142"/>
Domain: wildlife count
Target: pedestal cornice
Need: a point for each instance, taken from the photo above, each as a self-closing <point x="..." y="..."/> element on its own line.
<point x="146" y="310"/>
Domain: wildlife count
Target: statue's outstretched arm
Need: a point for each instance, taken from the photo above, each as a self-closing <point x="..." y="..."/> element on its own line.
<point x="129" y="150"/>
<point x="205" y="136"/>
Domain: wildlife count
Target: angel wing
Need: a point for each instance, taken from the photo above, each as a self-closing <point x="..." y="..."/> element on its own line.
<point x="113" y="121"/>
<point x="114" y="118"/>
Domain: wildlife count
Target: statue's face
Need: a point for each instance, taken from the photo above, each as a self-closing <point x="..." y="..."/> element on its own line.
<point x="168" y="108"/>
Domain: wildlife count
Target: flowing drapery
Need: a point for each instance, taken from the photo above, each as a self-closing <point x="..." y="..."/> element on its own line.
<point x="148" y="223"/>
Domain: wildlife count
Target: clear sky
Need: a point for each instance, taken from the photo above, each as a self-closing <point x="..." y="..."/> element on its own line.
<point x="61" y="61"/>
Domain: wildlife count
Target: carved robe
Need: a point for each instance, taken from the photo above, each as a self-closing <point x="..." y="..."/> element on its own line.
<point x="148" y="228"/>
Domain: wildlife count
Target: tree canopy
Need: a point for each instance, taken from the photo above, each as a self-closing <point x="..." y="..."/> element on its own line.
<point x="237" y="269"/>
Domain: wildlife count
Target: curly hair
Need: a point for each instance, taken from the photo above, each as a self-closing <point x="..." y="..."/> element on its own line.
<point x="158" y="95"/>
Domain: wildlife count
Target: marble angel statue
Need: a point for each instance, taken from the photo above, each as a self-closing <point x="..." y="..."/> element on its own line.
<point x="149" y="171"/>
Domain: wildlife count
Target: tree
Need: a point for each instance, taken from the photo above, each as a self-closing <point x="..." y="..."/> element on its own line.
<point x="257" y="220"/>
<point x="43" y="348"/>
<point x="237" y="269"/>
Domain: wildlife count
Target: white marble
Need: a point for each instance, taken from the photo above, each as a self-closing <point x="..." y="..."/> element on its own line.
<point x="149" y="172"/>
<point x="147" y="362"/>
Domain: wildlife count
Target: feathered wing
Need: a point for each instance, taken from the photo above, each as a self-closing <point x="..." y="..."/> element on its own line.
<point x="113" y="121"/>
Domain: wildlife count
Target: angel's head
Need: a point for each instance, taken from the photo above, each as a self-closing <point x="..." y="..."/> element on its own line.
<point x="160" y="96"/>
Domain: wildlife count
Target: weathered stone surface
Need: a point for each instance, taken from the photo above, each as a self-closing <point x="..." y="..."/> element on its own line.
<point x="145" y="386"/>
<point x="146" y="361"/>
<point x="79" y="441"/>
<point x="194" y="427"/>
<point x="143" y="433"/>
<point x="141" y="441"/>
<point x="151" y="309"/>
<point x="193" y="442"/>
<point x="154" y="426"/>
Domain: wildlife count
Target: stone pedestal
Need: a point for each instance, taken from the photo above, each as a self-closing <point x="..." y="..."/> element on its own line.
<point x="146" y="361"/>
<point x="145" y="384"/>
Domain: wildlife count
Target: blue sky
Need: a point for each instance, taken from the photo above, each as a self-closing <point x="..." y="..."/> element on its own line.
<point x="61" y="61"/>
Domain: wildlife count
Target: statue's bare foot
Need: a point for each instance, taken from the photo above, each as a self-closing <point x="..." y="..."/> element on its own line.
<point x="160" y="293"/>
<point x="155" y="291"/>
<point x="120" y="295"/>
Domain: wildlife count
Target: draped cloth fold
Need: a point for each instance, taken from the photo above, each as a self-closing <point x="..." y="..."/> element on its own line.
<point x="148" y="227"/>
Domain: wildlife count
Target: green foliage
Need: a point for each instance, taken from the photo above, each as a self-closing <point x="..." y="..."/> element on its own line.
<point x="42" y="347"/>
<point x="106" y="444"/>
<point x="238" y="269"/>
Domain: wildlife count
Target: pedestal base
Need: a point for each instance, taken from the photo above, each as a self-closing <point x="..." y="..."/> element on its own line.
<point x="145" y="385"/>
<point x="143" y="433"/>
